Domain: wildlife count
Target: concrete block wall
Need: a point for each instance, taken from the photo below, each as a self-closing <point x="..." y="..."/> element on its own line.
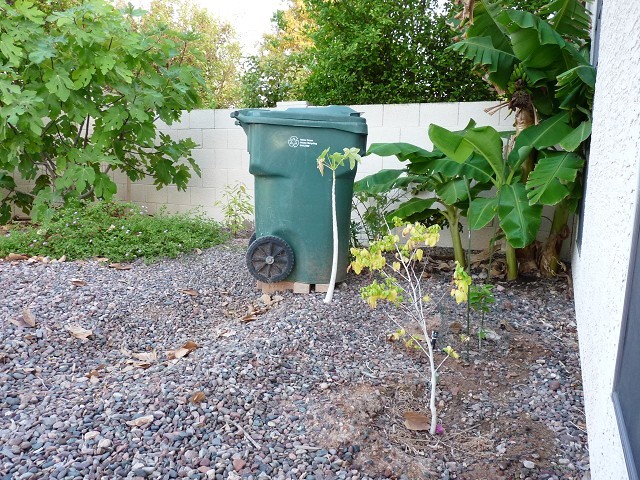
<point x="224" y="160"/>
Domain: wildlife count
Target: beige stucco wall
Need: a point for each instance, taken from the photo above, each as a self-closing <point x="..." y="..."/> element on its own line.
<point x="602" y="258"/>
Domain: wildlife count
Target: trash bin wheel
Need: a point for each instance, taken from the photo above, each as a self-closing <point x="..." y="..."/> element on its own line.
<point x="270" y="259"/>
<point x="252" y="239"/>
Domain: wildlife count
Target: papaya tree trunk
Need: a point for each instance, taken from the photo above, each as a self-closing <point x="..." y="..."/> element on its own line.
<point x="453" y="217"/>
<point x="334" y="223"/>
<point x="550" y="259"/>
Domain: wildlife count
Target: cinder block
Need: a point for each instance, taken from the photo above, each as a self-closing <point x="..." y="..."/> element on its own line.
<point x="195" y="135"/>
<point x="213" y="212"/>
<point x="204" y="197"/>
<point x="177" y="197"/>
<point x="237" y="139"/>
<point x="384" y="135"/>
<point x="403" y="115"/>
<point x="240" y="176"/>
<point x="202" y="119"/>
<point x="223" y="119"/>
<point x="392" y="163"/>
<point x="218" y="138"/>
<point x="373" y="114"/>
<point x="476" y="110"/>
<point x="245" y="160"/>
<point x="370" y="164"/>
<point x="137" y="193"/>
<point x="229" y="159"/>
<point x="204" y="157"/>
<point x="443" y="114"/>
<point x="214" y="178"/>
<point x="153" y="195"/>
<point x="418" y="136"/>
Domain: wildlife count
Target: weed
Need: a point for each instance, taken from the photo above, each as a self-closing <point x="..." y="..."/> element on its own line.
<point x="117" y="231"/>
<point x="237" y="207"/>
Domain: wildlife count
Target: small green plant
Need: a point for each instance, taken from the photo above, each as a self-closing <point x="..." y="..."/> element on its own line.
<point x="370" y="210"/>
<point x="237" y="207"/>
<point x="116" y="231"/>
<point x="403" y="286"/>
<point x="333" y="162"/>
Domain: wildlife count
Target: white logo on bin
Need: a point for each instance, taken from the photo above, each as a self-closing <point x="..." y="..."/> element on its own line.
<point x="294" y="141"/>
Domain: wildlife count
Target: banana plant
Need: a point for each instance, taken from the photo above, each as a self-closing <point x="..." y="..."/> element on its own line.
<point x="519" y="219"/>
<point x="538" y="64"/>
<point x="449" y="182"/>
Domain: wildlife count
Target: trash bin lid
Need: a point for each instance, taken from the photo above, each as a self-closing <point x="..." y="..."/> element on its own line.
<point x="333" y="117"/>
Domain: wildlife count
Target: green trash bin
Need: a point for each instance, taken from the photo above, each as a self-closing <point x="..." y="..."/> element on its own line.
<point x="294" y="235"/>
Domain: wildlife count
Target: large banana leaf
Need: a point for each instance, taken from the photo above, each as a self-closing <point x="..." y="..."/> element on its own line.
<point x="383" y="181"/>
<point x="535" y="43"/>
<point x="413" y="206"/>
<point x="475" y="168"/>
<point x="569" y="18"/>
<point x="485" y="24"/>
<point x="573" y="140"/>
<point x="453" y="191"/>
<point x="481" y="212"/>
<point x="547" y="133"/>
<point x="404" y="151"/>
<point x="484" y="141"/>
<point x="519" y="220"/>
<point x="550" y="181"/>
<point x="576" y="87"/>
<point x="482" y="51"/>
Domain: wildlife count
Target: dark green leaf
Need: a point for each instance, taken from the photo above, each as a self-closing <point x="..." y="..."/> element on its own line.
<point x="519" y="220"/>
<point x="549" y="182"/>
<point x="481" y="212"/>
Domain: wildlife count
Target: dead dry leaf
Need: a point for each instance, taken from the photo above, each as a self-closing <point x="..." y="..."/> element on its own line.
<point x="455" y="327"/>
<point x="77" y="282"/>
<point x="140" y="421"/>
<point x="101" y="259"/>
<point x="79" y="332"/>
<point x="197" y="397"/>
<point x="416" y="421"/>
<point x="198" y="251"/>
<point x="120" y="266"/>
<point x="183" y="351"/>
<point x="62" y="259"/>
<point x="28" y="318"/>
<point x="148" y="357"/>
<point x="189" y="291"/>
<point x="225" y="333"/>
<point x="14" y="257"/>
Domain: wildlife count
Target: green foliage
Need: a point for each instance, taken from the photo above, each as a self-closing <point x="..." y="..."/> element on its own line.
<point x="371" y="210"/>
<point x="237" y="207"/>
<point x="380" y="51"/>
<point x="481" y="297"/>
<point x="280" y="69"/>
<point x="117" y="231"/>
<point x="214" y="50"/>
<point x="79" y="94"/>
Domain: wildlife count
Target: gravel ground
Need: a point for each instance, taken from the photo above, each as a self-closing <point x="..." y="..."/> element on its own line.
<point x="299" y="389"/>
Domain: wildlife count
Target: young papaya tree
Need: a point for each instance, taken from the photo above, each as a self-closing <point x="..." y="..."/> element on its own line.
<point x="79" y="94"/>
<point x="539" y="64"/>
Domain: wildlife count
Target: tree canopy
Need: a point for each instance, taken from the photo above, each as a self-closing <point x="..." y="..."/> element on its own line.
<point x="214" y="51"/>
<point x="80" y="91"/>
<point x="361" y="51"/>
<point x="280" y="69"/>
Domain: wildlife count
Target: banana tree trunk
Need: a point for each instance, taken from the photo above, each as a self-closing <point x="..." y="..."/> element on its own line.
<point x="453" y="217"/>
<point x="550" y="260"/>
<point x="512" y="262"/>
